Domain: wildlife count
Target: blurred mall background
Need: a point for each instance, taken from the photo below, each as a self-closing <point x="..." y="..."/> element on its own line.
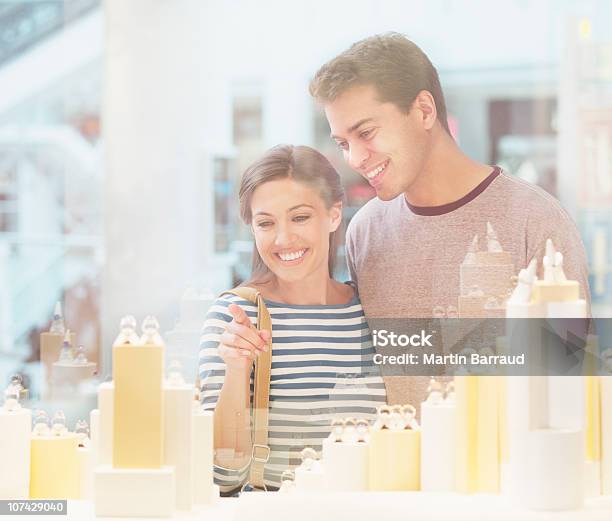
<point x="125" y="126"/>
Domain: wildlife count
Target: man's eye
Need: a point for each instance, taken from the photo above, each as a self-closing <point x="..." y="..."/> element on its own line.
<point x="301" y="218"/>
<point x="366" y="133"/>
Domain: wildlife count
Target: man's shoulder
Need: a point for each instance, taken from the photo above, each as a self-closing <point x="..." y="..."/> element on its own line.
<point x="533" y="199"/>
<point x="371" y="213"/>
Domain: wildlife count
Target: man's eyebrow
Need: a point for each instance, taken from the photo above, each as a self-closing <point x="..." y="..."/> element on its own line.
<point x="355" y="126"/>
<point x="289" y="210"/>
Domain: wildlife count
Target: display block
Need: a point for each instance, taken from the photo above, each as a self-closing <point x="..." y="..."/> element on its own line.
<point x="178" y="440"/>
<point x="395" y="460"/>
<point x="310" y="480"/>
<point x="15" y="428"/>
<point x="94" y="434"/>
<point x="592" y="436"/>
<point x="466" y="470"/>
<point x="84" y="456"/>
<point x="606" y="434"/>
<point x="138" y="406"/>
<point x="73" y="373"/>
<point x="438" y="447"/>
<point x="134" y="492"/>
<point x="549" y="291"/>
<point x="554" y="478"/>
<point x="204" y="490"/>
<point x="106" y="399"/>
<point x="487" y="434"/>
<point x="527" y="410"/>
<point x="50" y="347"/>
<point x="54" y="467"/>
<point x="346" y="465"/>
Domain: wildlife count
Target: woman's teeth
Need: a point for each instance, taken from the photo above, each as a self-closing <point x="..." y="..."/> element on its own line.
<point x="291" y="256"/>
<point x="376" y="171"/>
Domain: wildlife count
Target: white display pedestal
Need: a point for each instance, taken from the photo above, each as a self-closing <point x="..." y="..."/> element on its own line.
<point x="15" y="453"/>
<point x="134" y="492"/>
<point x="346" y="465"/>
<point x="359" y="506"/>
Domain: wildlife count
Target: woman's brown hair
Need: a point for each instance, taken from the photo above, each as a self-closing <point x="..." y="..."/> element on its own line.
<point x="304" y="165"/>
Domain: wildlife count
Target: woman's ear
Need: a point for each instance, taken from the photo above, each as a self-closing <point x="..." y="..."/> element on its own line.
<point x="335" y="212"/>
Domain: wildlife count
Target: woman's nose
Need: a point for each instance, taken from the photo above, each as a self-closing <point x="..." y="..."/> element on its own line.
<point x="284" y="236"/>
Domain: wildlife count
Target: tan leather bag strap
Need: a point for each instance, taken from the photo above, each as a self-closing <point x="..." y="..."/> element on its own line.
<point x="260" y="453"/>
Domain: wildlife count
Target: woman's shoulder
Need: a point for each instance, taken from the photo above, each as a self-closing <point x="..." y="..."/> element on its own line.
<point x="219" y="307"/>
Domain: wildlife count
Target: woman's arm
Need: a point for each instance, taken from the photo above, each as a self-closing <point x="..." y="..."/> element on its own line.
<point x="232" y="420"/>
<point x="237" y="346"/>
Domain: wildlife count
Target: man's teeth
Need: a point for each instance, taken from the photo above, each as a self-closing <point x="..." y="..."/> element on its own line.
<point x="375" y="172"/>
<point x="291" y="256"/>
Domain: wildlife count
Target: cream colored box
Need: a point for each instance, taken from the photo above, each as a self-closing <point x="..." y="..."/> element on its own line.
<point x="395" y="460"/>
<point x="54" y="467"/>
<point x="178" y="440"/>
<point x="204" y="490"/>
<point x="346" y="465"/>
<point x="544" y="291"/>
<point x="15" y="427"/>
<point x="85" y="458"/>
<point x="134" y="492"/>
<point x="138" y="428"/>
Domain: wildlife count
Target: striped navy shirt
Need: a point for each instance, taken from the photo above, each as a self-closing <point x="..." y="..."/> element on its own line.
<point x="321" y="368"/>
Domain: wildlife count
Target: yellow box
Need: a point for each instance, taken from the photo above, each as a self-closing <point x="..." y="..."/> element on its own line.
<point x="544" y="291"/>
<point x="395" y="460"/>
<point x="488" y="434"/>
<point x="138" y="424"/>
<point x="592" y="435"/>
<point x="54" y="467"/>
<point x="466" y="398"/>
<point x="479" y="431"/>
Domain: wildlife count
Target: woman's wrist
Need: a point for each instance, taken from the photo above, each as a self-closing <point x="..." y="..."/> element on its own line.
<point x="237" y="376"/>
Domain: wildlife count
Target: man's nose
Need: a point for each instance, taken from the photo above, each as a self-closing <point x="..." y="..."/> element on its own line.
<point x="357" y="156"/>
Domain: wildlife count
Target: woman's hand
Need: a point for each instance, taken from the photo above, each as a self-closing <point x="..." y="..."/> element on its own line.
<point x="241" y="342"/>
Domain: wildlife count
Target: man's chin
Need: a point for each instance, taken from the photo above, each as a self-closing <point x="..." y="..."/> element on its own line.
<point x="386" y="195"/>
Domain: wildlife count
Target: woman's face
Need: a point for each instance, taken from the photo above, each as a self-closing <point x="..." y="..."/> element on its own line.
<point x="291" y="226"/>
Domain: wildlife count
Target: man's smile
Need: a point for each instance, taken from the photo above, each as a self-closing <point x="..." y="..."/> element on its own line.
<point x="375" y="175"/>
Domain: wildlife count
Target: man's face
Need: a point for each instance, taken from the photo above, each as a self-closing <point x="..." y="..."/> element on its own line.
<point x="385" y="145"/>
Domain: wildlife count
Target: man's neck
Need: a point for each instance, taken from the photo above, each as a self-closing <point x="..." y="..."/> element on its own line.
<point x="447" y="176"/>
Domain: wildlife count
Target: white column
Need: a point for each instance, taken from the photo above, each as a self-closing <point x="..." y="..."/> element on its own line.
<point x="155" y="124"/>
<point x="288" y="113"/>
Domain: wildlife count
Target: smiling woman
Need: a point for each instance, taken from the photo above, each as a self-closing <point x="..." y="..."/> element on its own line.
<point x="291" y="186"/>
<point x="292" y="200"/>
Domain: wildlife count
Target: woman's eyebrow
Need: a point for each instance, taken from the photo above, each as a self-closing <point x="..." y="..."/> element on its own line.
<point x="289" y="210"/>
<point x="299" y="206"/>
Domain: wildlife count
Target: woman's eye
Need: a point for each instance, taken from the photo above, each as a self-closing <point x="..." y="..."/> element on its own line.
<point x="342" y="145"/>
<point x="264" y="224"/>
<point x="301" y="218"/>
<point x="366" y="133"/>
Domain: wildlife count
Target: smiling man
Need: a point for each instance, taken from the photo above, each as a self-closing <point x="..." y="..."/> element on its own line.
<point x="386" y="111"/>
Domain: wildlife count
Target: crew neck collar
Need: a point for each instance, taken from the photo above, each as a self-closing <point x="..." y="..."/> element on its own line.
<point x="451" y="207"/>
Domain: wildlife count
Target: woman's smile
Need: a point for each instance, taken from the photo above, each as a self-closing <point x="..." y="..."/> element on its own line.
<point x="292" y="257"/>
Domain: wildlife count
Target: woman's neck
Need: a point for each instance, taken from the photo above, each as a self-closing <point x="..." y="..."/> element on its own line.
<point x="315" y="290"/>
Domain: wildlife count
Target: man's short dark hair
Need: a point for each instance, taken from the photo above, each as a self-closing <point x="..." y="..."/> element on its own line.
<point x="394" y="65"/>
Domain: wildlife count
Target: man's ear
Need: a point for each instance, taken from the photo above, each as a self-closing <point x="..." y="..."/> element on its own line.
<point x="335" y="213"/>
<point x="426" y="106"/>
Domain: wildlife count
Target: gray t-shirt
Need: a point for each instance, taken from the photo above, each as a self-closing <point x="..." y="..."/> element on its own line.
<point x="406" y="260"/>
